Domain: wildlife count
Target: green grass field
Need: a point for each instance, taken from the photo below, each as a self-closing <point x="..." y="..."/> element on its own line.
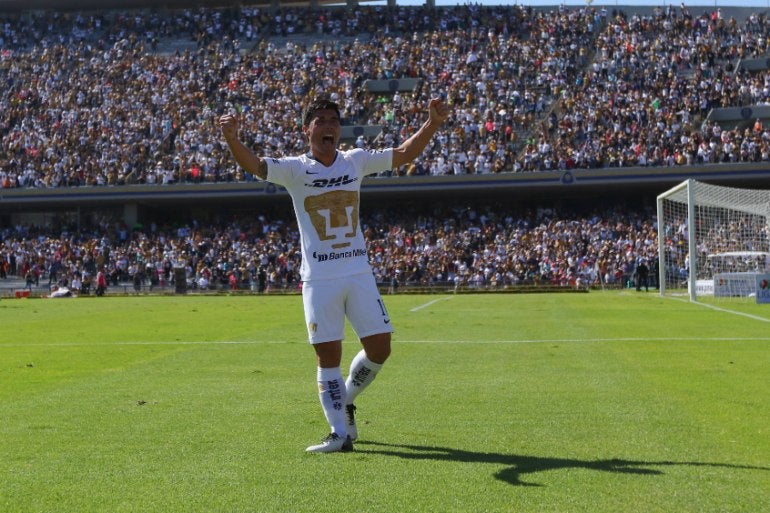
<point x="599" y="402"/>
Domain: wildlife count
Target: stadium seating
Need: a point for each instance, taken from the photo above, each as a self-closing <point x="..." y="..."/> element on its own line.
<point x="109" y="98"/>
<point x="533" y="89"/>
<point x="446" y="247"/>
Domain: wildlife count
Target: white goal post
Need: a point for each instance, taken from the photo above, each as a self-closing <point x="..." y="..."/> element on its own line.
<point x="712" y="240"/>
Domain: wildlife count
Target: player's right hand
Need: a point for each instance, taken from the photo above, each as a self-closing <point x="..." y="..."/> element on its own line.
<point x="228" y="123"/>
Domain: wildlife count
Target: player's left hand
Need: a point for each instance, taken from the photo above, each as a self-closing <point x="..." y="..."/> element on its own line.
<point x="439" y="110"/>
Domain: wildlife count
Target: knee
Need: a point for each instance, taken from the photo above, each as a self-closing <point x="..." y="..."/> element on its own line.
<point x="377" y="347"/>
<point x="381" y="354"/>
<point x="328" y="354"/>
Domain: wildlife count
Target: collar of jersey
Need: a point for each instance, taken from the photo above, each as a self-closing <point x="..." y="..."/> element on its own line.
<point x="311" y="157"/>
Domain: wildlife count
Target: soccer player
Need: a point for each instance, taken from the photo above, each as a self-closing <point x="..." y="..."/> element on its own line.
<point x="337" y="278"/>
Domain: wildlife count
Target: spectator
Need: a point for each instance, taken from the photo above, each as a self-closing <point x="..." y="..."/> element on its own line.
<point x="642" y="276"/>
<point x="101" y="283"/>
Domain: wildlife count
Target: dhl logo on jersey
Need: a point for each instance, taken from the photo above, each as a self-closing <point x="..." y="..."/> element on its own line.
<point x="325" y="183"/>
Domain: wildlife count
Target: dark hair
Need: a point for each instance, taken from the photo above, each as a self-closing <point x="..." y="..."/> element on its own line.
<point x="316" y="105"/>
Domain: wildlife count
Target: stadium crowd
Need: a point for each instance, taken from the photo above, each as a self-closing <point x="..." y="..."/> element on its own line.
<point x="483" y="247"/>
<point x="644" y="99"/>
<point x="532" y="89"/>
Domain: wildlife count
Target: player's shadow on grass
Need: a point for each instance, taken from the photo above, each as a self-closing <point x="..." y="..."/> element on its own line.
<point x="523" y="465"/>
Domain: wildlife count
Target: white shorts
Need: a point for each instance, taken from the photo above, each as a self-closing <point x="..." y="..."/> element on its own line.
<point x="328" y="302"/>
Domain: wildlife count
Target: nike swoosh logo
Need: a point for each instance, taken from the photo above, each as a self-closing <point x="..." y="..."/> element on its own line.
<point x="310" y="172"/>
<point x="387" y="321"/>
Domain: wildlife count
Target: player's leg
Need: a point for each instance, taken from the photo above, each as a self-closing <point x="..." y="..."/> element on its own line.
<point x="332" y="395"/>
<point x="367" y="363"/>
<point x="370" y="320"/>
<point x="324" y="314"/>
<point x="363" y="369"/>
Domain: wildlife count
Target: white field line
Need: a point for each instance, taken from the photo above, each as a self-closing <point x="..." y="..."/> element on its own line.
<point x="425" y="305"/>
<point x="443" y="342"/>
<point x="586" y="340"/>
<point x="723" y="310"/>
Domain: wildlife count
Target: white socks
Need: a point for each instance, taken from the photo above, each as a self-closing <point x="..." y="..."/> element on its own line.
<point x="362" y="372"/>
<point x="335" y="394"/>
<point x="332" y="393"/>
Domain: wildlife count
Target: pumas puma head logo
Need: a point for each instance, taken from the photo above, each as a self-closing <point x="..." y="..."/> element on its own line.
<point x="334" y="215"/>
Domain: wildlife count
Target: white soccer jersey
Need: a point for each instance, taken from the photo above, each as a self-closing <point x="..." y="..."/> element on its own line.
<point x="326" y="201"/>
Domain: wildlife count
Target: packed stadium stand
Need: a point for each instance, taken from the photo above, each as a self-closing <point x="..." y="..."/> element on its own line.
<point x="566" y="123"/>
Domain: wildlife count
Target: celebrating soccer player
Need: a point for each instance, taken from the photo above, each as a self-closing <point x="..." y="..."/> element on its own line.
<point x="337" y="279"/>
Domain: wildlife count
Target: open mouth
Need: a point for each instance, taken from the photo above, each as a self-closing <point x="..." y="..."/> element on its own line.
<point x="328" y="139"/>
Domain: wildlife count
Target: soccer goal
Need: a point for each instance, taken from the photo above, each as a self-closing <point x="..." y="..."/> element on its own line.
<point x="713" y="240"/>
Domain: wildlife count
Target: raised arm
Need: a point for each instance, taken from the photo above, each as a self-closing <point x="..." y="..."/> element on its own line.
<point x="243" y="155"/>
<point x="412" y="147"/>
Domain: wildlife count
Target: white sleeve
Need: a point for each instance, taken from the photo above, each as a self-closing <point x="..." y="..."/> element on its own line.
<point x="369" y="162"/>
<point x="282" y="171"/>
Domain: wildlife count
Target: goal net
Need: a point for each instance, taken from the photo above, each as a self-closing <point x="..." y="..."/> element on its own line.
<point x="712" y="240"/>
